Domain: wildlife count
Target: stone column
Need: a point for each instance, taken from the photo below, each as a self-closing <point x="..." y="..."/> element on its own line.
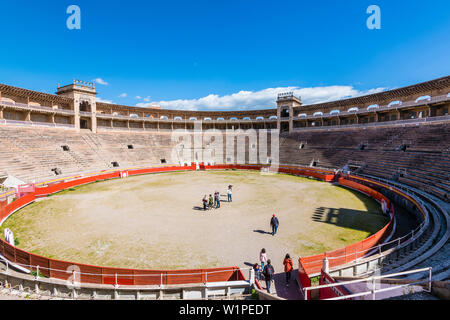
<point x="94" y="116"/>
<point x="76" y="110"/>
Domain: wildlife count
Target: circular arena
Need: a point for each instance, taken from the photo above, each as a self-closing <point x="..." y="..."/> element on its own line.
<point x="138" y="222"/>
<point x="103" y="201"/>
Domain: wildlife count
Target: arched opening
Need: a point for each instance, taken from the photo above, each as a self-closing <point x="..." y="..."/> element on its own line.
<point x="85" y="106"/>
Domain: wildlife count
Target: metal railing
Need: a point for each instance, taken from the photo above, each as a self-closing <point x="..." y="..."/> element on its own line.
<point x="75" y="276"/>
<point x="373" y="280"/>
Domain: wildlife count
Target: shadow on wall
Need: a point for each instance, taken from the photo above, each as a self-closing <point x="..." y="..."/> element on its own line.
<point x="350" y="218"/>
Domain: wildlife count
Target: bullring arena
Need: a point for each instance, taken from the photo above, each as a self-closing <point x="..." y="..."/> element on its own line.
<point x="105" y="201"/>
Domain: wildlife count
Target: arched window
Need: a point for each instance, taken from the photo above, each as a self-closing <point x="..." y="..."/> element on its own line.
<point x="177" y="118"/>
<point x="301" y="115"/>
<point x="423" y="98"/>
<point x="193" y="119"/>
<point x="373" y="106"/>
<point x="335" y="112"/>
<point x="233" y="119"/>
<point x="353" y="109"/>
<point x="7" y="100"/>
<point x="115" y="114"/>
<point x="220" y="119"/>
<point x="164" y="118"/>
<point x="318" y="113"/>
<point x="134" y="115"/>
<point x="246" y="118"/>
<point x="207" y="119"/>
<point x="262" y="118"/>
<point x="273" y="118"/>
<point x="393" y="103"/>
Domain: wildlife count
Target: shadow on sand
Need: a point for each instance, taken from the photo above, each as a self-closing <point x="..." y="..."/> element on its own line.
<point x="262" y="232"/>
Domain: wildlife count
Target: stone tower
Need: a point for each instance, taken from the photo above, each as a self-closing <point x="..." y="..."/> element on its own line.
<point x="84" y="103"/>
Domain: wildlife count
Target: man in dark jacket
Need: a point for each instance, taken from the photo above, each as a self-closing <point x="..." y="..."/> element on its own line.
<point x="268" y="273"/>
<point x="274" y="223"/>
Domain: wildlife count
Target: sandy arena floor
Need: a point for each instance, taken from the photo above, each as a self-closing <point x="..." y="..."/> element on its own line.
<point x="151" y="221"/>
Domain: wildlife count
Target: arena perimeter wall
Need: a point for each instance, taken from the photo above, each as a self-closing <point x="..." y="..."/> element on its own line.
<point x="53" y="268"/>
<point x="312" y="265"/>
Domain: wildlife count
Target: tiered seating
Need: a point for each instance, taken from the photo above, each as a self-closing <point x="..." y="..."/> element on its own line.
<point x="31" y="154"/>
<point x="425" y="163"/>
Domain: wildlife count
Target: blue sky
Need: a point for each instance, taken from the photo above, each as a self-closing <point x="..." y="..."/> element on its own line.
<point x="224" y="55"/>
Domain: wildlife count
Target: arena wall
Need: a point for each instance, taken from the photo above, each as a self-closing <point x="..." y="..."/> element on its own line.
<point x="53" y="268"/>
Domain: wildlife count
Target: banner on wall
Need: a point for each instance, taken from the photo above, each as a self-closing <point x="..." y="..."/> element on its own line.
<point x="123" y="174"/>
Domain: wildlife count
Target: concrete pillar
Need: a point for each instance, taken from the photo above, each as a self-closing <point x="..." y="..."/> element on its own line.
<point x="251" y="277"/>
<point x="76" y="110"/>
<point x="325" y="265"/>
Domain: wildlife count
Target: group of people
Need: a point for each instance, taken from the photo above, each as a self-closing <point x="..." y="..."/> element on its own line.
<point x="214" y="202"/>
<point x="266" y="270"/>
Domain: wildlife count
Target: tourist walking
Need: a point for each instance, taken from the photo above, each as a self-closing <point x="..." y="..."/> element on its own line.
<point x="230" y="193"/>
<point x="268" y="273"/>
<point x="274" y="223"/>
<point x="217" y="200"/>
<point x="257" y="270"/>
<point x="263" y="257"/>
<point x="288" y="266"/>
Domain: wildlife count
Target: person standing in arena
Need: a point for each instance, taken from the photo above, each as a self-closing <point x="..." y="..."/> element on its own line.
<point x="274" y="223"/>
<point x="230" y="193"/>
<point x="205" y="202"/>
<point x="211" y="202"/>
<point x="263" y="257"/>
<point x="268" y="273"/>
<point x="217" y="200"/>
<point x="288" y="266"/>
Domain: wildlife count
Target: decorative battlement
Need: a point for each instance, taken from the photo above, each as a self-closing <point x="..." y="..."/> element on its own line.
<point x="79" y="86"/>
<point x="288" y="96"/>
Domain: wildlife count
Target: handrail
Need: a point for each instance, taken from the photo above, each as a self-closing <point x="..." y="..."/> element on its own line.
<point x="398" y="240"/>
<point x="373" y="278"/>
<point x="154" y="274"/>
<point x="6" y="262"/>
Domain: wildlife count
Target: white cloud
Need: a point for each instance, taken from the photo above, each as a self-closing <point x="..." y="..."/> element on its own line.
<point x="138" y="97"/>
<point x="101" y="81"/>
<point x="123" y="95"/>
<point x="263" y="99"/>
<point x="147" y="99"/>
<point x="98" y="99"/>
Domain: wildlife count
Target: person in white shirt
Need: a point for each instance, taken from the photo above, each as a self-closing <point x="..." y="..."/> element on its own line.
<point x="263" y="258"/>
<point x="230" y="193"/>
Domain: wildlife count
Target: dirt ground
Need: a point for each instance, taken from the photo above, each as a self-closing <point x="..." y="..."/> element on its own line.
<point x="153" y="222"/>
